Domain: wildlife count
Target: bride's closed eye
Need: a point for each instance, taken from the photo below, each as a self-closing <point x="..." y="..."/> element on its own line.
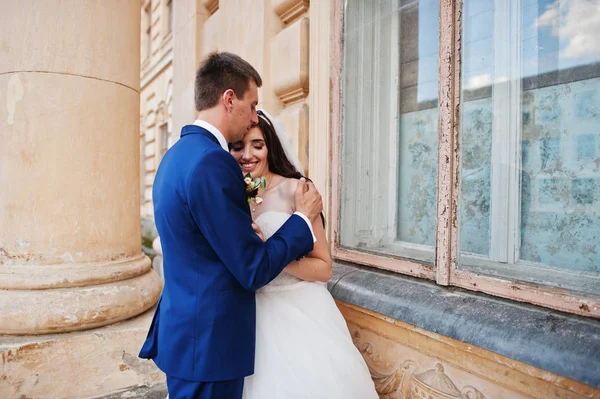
<point x="239" y="146"/>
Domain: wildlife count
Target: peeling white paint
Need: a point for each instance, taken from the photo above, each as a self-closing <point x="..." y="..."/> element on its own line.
<point x="70" y="318"/>
<point x="22" y="244"/>
<point x="14" y="94"/>
<point x="67" y="257"/>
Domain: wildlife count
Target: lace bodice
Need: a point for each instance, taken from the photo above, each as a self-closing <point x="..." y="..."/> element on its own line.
<point x="269" y="222"/>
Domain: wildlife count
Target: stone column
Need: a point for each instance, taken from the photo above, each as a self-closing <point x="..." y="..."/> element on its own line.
<point x="70" y="250"/>
<point x="70" y="247"/>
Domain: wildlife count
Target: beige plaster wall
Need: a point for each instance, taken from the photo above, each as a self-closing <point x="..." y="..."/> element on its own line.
<point x="189" y="17"/>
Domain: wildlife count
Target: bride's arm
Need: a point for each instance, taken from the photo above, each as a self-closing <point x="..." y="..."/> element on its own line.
<point x="317" y="265"/>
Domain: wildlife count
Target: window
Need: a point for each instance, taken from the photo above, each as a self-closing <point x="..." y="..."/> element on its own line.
<point x="147" y="32"/>
<point x="505" y="197"/>
<point x="142" y="167"/>
<point x="164" y="140"/>
<point x="529" y="134"/>
<point x="169" y="16"/>
<point x="390" y="127"/>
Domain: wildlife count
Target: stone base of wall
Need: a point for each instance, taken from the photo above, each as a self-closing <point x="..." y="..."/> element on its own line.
<point x="154" y="392"/>
<point x="98" y="363"/>
<point x="408" y="362"/>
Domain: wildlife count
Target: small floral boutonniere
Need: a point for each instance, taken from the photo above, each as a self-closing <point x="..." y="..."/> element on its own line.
<point x="252" y="186"/>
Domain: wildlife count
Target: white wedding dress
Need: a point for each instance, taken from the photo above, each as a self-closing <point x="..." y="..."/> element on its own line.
<point x="303" y="346"/>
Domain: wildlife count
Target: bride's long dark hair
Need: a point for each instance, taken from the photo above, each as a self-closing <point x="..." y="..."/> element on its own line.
<point x="276" y="159"/>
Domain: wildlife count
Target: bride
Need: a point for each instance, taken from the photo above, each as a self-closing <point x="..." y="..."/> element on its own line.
<point x="303" y="347"/>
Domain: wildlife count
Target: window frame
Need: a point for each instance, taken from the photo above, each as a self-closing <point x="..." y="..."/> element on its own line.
<point x="163" y="139"/>
<point x="446" y="254"/>
<point x="393" y="263"/>
<point x="167" y="17"/>
<point x="147" y="31"/>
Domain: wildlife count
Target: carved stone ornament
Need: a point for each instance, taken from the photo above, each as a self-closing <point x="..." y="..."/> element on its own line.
<point x="403" y="383"/>
<point x="288" y="10"/>
<point x="433" y="384"/>
<point x="211" y="5"/>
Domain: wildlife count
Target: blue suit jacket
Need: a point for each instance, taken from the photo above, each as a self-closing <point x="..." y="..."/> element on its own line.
<point x="204" y="325"/>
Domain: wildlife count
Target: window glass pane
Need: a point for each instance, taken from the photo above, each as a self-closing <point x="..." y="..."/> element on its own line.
<point x="530" y="140"/>
<point x="390" y="119"/>
<point x="476" y="124"/>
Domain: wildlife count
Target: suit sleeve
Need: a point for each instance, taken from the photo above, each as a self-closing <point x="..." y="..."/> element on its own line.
<point x="217" y="201"/>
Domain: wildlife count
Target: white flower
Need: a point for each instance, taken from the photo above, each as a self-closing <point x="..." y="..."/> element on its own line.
<point x="247" y="180"/>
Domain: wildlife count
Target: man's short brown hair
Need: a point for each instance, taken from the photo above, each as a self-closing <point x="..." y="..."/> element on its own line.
<point x="220" y="72"/>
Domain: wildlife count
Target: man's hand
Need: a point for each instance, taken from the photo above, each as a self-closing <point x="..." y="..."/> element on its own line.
<point x="258" y="231"/>
<point x="308" y="200"/>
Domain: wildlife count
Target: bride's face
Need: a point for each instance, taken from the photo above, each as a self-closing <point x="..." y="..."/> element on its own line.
<point x="251" y="153"/>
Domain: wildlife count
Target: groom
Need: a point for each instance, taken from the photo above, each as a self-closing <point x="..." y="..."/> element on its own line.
<point x="203" y="332"/>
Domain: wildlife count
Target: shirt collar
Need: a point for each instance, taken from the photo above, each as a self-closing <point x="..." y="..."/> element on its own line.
<point x="214" y="131"/>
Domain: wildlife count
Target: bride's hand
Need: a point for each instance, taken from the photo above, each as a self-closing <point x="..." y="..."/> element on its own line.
<point x="258" y="231"/>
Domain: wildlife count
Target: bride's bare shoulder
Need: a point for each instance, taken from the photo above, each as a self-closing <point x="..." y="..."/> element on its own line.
<point x="292" y="184"/>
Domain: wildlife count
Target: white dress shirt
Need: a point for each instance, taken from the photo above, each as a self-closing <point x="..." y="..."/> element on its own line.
<point x="215" y="132"/>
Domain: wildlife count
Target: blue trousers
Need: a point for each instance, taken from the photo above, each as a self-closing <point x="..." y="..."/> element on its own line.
<point x="182" y="389"/>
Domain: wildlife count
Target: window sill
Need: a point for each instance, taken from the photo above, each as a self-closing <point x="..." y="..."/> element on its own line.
<point x="564" y="344"/>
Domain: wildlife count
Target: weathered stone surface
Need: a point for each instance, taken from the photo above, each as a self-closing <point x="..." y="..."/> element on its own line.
<point x="158" y="391"/>
<point x="77" y="308"/>
<point x="88" y="364"/>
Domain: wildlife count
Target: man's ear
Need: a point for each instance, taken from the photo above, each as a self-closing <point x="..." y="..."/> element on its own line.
<point x="228" y="98"/>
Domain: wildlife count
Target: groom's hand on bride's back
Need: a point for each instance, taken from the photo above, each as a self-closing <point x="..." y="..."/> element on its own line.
<point x="308" y="200"/>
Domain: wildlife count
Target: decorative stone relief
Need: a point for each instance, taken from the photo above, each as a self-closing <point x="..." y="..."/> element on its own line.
<point x="288" y="10"/>
<point x="211" y="5"/>
<point x="290" y="62"/>
<point x="405" y="383"/>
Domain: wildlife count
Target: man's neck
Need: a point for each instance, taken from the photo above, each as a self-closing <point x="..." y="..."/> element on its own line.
<point x="215" y="118"/>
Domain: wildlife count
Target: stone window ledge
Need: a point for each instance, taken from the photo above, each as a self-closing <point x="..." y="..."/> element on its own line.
<point x="564" y="344"/>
